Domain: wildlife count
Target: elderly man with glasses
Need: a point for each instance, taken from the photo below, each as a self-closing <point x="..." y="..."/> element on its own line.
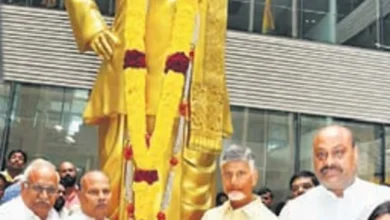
<point x="39" y="192"/>
<point x="239" y="177"/>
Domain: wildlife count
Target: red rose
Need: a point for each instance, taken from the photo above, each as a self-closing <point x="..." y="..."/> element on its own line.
<point x="130" y="209"/>
<point x="149" y="176"/>
<point x="177" y="62"/>
<point x="161" y="216"/>
<point x="183" y="109"/>
<point x="128" y="152"/>
<point x="134" y="59"/>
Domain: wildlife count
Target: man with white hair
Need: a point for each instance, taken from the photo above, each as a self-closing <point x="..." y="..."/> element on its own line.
<point x="239" y="177"/>
<point x="38" y="194"/>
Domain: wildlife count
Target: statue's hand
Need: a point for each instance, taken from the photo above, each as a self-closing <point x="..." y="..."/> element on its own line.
<point x="103" y="44"/>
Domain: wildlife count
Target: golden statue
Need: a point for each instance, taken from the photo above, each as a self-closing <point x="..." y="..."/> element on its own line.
<point x="160" y="101"/>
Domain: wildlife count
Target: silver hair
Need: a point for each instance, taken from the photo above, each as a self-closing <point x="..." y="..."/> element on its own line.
<point x="238" y="153"/>
<point x="37" y="164"/>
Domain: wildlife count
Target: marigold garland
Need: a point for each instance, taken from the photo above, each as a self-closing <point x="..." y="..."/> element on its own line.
<point x="147" y="156"/>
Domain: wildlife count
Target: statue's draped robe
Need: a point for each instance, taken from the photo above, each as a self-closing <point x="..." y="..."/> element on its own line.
<point x="195" y="176"/>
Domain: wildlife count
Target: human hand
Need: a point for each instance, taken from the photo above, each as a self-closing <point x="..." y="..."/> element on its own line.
<point x="103" y="44"/>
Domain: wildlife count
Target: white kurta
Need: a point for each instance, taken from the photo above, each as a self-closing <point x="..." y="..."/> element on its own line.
<point x="17" y="210"/>
<point x="253" y="211"/>
<point x="358" y="202"/>
<point x="79" y="215"/>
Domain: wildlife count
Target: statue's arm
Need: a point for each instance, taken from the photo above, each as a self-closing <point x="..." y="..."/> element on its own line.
<point x="86" y="21"/>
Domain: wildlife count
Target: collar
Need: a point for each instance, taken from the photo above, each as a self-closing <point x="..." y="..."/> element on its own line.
<point x="251" y="209"/>
<point x="7" y="176"/>
<point x="80" y="213"/>
<point x="350" y="190"/>
<point x="29" y="212"/>
<point x="71" y="196"/>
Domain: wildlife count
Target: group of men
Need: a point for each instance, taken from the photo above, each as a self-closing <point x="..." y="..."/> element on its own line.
<point x="340" y="194"/>
<point x="46" y="193"/>
<point x="43" y="192"/>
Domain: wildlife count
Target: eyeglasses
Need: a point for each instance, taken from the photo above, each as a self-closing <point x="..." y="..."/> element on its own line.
<point x="50" y="190"/>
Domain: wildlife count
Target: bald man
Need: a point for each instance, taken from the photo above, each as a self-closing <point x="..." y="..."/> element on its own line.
<point x="95" y="196"/>
<point x="341" y="194"/>
<point x="68" y="174"/>
<point x="38" y="194"/>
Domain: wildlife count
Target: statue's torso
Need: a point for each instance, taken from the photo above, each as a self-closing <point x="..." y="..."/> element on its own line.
<point x="158" y="23"/>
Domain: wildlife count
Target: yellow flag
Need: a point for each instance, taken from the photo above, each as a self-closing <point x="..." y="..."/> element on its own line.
<point x="268" y="20"/>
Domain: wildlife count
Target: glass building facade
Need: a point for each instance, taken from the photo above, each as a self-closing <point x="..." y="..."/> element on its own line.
<point x="314" y="20"/>
<point x="46" y="121"/>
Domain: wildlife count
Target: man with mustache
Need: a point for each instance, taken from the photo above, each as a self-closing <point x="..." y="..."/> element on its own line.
<point x="239" y="177"/>
<point x="38" y="194"/>
<point x="341" y="195"/>
<point x="68" y="174"/>
<point x="95" y="196"/>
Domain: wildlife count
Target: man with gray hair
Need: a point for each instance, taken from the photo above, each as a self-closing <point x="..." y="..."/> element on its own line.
<point x="38" y="194"/>
<point x="239" y="177"/>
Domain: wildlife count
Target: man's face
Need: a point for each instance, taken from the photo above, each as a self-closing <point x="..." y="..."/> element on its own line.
<point x="267" y="199"/>
<point x="67" y="168"/>
<point x="16" y="161"/>
<point x="67" y="173"/>
<point x="335" y="159"/>
<point x="39" y="192"/>
<point x="301" y="185"/>
<point x="95" y="196"/>
<point x="238" y="180"/>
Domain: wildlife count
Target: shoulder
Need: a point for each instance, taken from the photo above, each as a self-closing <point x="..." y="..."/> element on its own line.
<point x="78" y="215"/>
<point x="53" y="215"/>
<point x="268" y="214"/>
<point x="307" y="198"/>
<point x="263" y="211"/>
<point x="11" y="210"/>
<point x="213" y="213"/>
<point x="295" y="207"/>
<point x="373" y="192"/>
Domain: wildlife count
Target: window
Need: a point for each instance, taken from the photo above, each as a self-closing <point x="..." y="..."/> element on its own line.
<point x="48" y="124"/>
<point x="387" y="158"/>
<point x="368" y="140"/>
<point x="309" y="127"/>
<point x="281" y="15"/>
<point x="238" y="18"/>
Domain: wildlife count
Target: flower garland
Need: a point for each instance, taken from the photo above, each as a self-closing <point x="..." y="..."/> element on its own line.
<point x="148" y="157"/>
<point x="134" y="66"/>
<point x="177" y="76"/>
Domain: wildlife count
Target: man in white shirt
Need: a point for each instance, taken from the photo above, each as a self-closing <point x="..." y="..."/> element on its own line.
<point x="341" y="195"/>
<point x="239" y="177"/>
<point x="94" y="195"/>
<point x="38" y="194"/>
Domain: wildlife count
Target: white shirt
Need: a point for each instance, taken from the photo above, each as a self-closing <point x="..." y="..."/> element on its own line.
<point x="255" y="210"/>
<point x="17" y="210"/>
<point x="80" y="215"/>
<point x="357" y="203"/>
